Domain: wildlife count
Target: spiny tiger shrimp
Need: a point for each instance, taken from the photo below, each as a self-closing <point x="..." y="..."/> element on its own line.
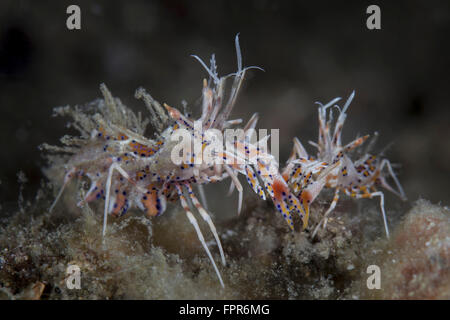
<point x="127" y="169"/>
<point x="334" y="169"/>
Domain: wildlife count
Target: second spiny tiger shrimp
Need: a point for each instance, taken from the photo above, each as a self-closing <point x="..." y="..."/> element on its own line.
<point x="334" y="169"/>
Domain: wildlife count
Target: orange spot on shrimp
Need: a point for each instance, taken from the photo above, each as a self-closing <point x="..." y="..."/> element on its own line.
<point x="149" y="200"/>
<point x="118" y="205"/>
<point x="143" y="150"/>
<point x="305" y="200"/>
<point x="279" y="187"/>
<point x="122" y="136"/>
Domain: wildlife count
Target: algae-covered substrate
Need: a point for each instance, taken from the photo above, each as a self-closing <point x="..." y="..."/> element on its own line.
<point x="162" y="258"/>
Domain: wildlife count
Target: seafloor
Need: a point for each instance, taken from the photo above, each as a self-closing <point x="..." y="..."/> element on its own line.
<point x="163" y="259"/>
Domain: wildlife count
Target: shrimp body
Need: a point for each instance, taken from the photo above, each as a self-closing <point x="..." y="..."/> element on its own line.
<point x="128" y="170"/>
<point x="333" y="167"/>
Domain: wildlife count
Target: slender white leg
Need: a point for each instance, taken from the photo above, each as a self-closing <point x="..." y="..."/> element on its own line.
<point x="381" y="195"/>
<point x="113" y="167"/>
<point x="57" y="197"/>
<point x="201" y="190"/>
<point x="383" y="213"/>
<point x="193" y="221"/>
<point x="67" y="178"/>
<point x="325" y="217"/>
<point x="230" y="189"/>
<point x="208" y="220"/>
<point x="238" y="186"/>
<point x="400" y="193"/>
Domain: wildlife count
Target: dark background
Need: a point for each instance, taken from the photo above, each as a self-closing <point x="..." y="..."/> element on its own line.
<point x="310" y="50"/>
